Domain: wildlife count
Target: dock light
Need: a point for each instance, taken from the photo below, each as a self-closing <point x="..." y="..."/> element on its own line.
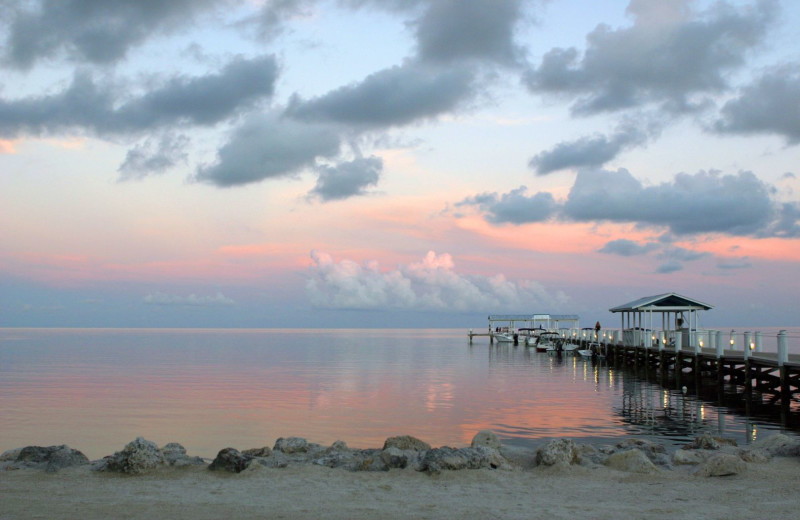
<point x="752" y="345"/>
<point x="701" y="343"/>
<point x="733" y="339"/>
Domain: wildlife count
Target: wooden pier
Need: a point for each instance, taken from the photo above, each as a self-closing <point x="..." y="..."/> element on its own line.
<point x="767" y="381"/>
<point x="770" y="377"/>
<point x="660" y="336"/>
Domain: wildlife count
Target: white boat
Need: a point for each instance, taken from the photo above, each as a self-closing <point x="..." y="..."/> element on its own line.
<point x="558" y="344"/>
<point x="548" y="342"/>
<point x="593" y="349"/>
<point x="503" y="337"/>
<point x="531" y="336"/>
<point x="565" y="347"/>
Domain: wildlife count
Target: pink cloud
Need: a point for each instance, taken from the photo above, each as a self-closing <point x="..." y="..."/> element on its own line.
<point x="7" y="147"/>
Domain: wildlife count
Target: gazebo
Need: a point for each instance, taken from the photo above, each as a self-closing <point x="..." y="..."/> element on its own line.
<point x="678" y="317"/>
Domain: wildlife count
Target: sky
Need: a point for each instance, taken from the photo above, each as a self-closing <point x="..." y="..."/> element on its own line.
<point x="396" y="163"/>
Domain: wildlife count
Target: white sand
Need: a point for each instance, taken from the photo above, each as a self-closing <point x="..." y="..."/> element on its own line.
<point x="768" y="490"/>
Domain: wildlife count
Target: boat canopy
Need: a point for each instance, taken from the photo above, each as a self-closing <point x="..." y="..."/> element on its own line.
<point x="536" y="321"/>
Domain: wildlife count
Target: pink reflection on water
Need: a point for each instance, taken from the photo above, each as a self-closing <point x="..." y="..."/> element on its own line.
<point x="208" y="390"/>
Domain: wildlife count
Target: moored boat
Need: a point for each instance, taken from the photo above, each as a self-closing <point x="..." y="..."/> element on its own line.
<point x="503" y="337"/>
<point x="548" y="341"/>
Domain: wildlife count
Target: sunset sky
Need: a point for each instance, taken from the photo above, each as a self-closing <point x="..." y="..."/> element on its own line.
<point x="396" y="163"/>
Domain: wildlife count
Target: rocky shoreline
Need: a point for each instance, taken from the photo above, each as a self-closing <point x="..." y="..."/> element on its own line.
<point x="706" y="456"/>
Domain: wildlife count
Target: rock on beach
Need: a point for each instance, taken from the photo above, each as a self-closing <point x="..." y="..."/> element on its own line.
<point x="142" y="456"/>
<point x="705" y="456"/>
<point x="50" y="458"/>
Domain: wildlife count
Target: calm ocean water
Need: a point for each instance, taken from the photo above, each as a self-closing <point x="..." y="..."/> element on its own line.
<point x="97" y="389"/>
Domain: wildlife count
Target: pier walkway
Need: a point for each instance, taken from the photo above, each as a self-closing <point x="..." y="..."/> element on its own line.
<point x="661" y="333"/>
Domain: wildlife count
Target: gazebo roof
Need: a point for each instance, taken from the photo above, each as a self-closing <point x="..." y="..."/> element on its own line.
<point x="669" y="302"/>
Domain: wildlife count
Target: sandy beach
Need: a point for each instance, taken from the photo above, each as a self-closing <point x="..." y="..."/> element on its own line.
<point x="766" y="488"/>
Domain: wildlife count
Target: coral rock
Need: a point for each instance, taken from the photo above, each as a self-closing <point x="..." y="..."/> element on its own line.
<point x="558" y="451"/>
<point x="486" y="438"/>
<point x="138" y="456"/>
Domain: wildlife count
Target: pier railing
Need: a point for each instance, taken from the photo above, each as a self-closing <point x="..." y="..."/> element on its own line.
<point x="749" y="343"/>
<point x="757" y="364"/>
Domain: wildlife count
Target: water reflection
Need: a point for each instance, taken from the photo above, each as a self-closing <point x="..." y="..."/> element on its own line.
<point x="96" y="390"/>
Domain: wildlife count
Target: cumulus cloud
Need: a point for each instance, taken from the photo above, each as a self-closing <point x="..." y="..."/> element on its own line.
<point x="99" y="107"/>
<point x="159" y="298"/>
<point x="787" y="224"/>
<point x="769" y="105"/>
<point x="391" y="97"/>
<point x="705" y="202"/>
<point x="587" y="152"/>
<point x="625" y="247"/>
<point x="266" y="147"/>
<point x="207" y="99"/>
<point x="153" y="156"/>
<point x="431" y="284"/>
<point x="271" y="18"/>
<point x="456" y="30"/>
<point x="669" y="56"/>
<point x="97" y="31"/>
<point x="347" y="179"/>
<point x="514" y="207"/>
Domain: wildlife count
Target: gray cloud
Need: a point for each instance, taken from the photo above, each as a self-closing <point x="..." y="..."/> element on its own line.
<point x="95" y="31"/>
<point x="625" y="247"/>
<point x="205" y="100"/>
<point x="514" y="207"/>
<point x="682" y="254"/>
<point x="769" y="105"/>
<point x="587" y="152"/>
<point x="273" y="15"/>
<point x="667" y="57"/>
<point x="99" y="108"/>
<point x="787" y="225"/>
<point x="735" y="263"/>
<point x="669" y="267"/>
<point x="454" y="30"/>
<point x="704" y="202"/>
<point x="347" y="179"/>
<point x="396" y="96"/>
<point x="672" y="256"/>
<point x="266" y="147"/>
<point x="153" y="156"/>
<point x="83" y="104"/>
